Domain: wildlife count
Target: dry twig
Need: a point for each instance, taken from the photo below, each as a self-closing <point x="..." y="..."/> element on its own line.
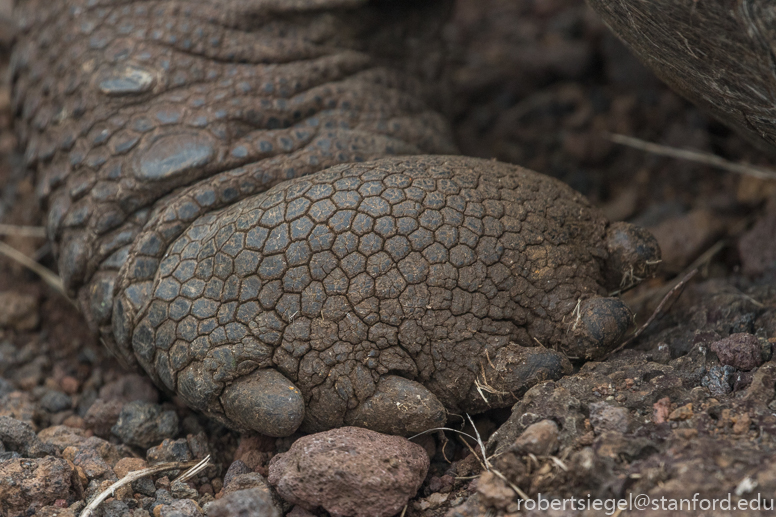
<point x="138" y="474"/>
<point x="693" y="156"/>
<point x="677" y="287"/>
<point x="46" y="274"/>
<point x="23" y="231"/>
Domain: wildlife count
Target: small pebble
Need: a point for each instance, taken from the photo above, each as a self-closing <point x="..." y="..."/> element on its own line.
<point x="130" y="387"/>
<point x="18" y="311"/>
<point x="605" y="417"/>
<point x="376" y="474"/>
<point x="69" y="385"/>
<point x="19" y="436"/>
<point x="181" y="490"/>
<point x="29" y="484"/>
<point x="741" y="351"/>
<point x="170" y="450"/>
<point x="235" y="469"/>
<point x="540" y="438"/>
<point x="244" y="503"/>
<point x="660" y="410"/>
<point x="719" y="380"/>
<point x="54" y="401"/>
<point x="144" y="486"/>
<point x="145" y="424"/>
<point x="102" y="415"/>
<point x="681" y="413"/>
<point x="182" y="508"/>
<point x="114" y="508"/>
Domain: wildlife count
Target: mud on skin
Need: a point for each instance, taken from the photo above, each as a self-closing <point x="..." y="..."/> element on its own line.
<point x="166" y="138"/>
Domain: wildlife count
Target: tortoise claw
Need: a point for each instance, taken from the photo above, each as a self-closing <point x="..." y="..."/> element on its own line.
<point x="512" y="371"/>
<point x="634" y="255"/>
<point x="598" y="327"/>
<point x="264" y="401"/>
<point x="399" y="406"/>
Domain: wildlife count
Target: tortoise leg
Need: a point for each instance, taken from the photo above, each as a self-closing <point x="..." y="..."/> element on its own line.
<point x="264" y="401"/>
<point x="399" y="406"/>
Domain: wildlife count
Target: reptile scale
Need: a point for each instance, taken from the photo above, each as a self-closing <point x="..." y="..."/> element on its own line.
<point x="266" y="213"/>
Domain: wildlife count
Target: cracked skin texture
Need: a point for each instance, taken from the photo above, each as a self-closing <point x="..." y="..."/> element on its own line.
<point x="224" y="206"/>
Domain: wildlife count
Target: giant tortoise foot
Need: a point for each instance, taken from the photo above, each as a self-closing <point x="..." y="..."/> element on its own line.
<point x="253" y="202"/>
<point x="384" y="294"/>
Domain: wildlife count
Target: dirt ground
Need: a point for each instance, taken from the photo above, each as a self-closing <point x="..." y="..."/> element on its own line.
<point x="688" y="407"/>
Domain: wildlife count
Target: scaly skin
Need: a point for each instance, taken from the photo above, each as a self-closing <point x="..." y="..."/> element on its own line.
<point x="381" y="294"/>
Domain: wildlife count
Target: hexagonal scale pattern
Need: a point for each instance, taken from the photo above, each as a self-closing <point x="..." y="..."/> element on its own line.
<point x="414" y="267"/>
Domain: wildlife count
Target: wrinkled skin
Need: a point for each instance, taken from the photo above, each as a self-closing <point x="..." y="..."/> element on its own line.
<point x="166" y="137"/>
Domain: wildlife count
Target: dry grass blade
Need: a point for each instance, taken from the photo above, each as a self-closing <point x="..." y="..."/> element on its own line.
<point x="485" y="463"/>
<point x="693" y="156"/>
<point x="23" y="231"/>
<point x="442" y="429"/>
<point x="476" y="439"/>
<point x="559" y="463"/>
<point x="479" y="442"/>
<point x="138" y="474"/>
<point x="193" y="471"/>
<point x="689" y="272"/>
<point x="474" y="453"/>
<point x="677" y="287"/>
<point x="46" y="274"/>
<point x="514" y="487"/>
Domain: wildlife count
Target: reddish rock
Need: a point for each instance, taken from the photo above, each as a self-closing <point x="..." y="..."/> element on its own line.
<point x="126" y="465"/>
<point x="91" y="462"/>
<point x="62" y="436"/>
<point x="94" y="457"/>
<point x="55" y="511"/>
<point x="102" y="416"/>
<point x="257" y="461"/>
<point x="70" y="385"/>
<point x="130" y="387"/>
<point x="29" y="484"/>
<point x="170" y="450"/>
<point x="741" y="351"/>
<point x="350" y="472"/>
<point x="254" y="442"/>
<point x="442" y="484"/>
<point x="681" y="413"/>
<point x="660" y="410"/>
<point x="75" y="422"/>
<point x="605" y="417"/>
<point x="540" y="438"/>
<point x="494" y="491"/>
<point x="18" y="405"/>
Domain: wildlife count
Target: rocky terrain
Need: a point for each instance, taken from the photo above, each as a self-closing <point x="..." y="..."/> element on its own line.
<point x="687" y="407"/>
